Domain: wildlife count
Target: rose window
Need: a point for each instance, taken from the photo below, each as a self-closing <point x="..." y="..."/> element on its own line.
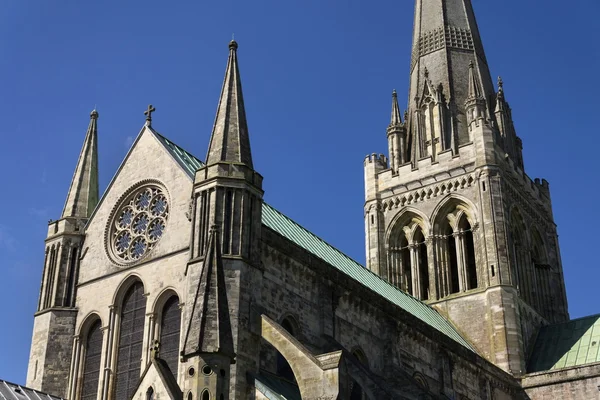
<point x="139" y="224"/>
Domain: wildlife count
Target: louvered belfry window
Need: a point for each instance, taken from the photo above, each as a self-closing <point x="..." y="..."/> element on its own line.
<point x="169" y="333"/>
<point x="131" y="334"/>
<point x="91" y="364"/>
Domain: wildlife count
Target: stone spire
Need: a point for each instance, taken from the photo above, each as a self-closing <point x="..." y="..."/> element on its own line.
<point x="209" y="326"/>
<point x="445" y="41"/>
<point x="229" y="141"/>
<point x="83" y="193"/>
<point x="396" y="119"/>
<point x="396" y="134"/>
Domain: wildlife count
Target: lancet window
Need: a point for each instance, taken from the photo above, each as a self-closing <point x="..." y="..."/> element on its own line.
<point x="170" y="326"/>
<point x="542" y="271"/>
<point x="131" y="333"/>
<point x="454" y="246"/>
<point x="408" y="266"/>
<point x="522" y="263"/>
<point x="356" y="391"/>
<point x="91" y="362"/>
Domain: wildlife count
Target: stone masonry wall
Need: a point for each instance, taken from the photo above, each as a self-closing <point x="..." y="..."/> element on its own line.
<point x="580" y="383"/>
<point x="300" y="286"/>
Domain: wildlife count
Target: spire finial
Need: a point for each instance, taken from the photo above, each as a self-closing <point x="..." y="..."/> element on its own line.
<point x="500" y="83"/>
<point x="148" y="114"/>
<point x="426" y="72"/>
<point x="233" y="45"/>
<point x="94" y="114"/>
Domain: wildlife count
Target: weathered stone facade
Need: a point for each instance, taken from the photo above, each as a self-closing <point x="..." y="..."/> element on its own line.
<point x="462" y="256"/>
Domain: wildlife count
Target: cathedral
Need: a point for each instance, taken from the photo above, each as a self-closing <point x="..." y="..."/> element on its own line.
<point x="180" y="282"/>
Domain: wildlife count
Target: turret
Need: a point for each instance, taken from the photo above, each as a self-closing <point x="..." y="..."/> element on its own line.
<point x="475" y="104"/>
<point x="227" y="190"/>
<point x="54" y="321"/>
<point x="396" y="135"/>
<point x="227" y="206"/>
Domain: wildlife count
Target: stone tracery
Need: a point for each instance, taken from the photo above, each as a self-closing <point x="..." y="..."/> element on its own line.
<point x="139" y="223"/>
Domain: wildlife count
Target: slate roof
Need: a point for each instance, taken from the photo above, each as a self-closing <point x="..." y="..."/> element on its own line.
<point x="12" y="391"/>
<point x="302" y="237"/>
<point x="565" y="345"/>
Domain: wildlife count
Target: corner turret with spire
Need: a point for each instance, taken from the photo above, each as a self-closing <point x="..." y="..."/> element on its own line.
<point x="225" y="242"/>
<point x="55" y="318"/>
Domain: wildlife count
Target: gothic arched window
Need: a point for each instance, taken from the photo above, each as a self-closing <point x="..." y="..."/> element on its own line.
<point x="170" y="325"/>
<point x="455" y="249"/>
<point x="357" y="392"/>
<point x="522" y="260"/>
<point x="131" y="334"/>
<point x="408" y="265"/>
<point x="91" y="362"/>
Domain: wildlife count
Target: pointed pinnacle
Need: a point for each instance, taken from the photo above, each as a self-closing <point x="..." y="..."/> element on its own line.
<point x="395" y="119"/>
<point x="474" y="86"/>
<point x="82" y="197"/>
<point x="229" y="141"/>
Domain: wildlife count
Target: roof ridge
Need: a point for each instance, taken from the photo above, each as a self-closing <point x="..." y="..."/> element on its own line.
<point x="572" y="320"/>
<point x="345" y="255"/>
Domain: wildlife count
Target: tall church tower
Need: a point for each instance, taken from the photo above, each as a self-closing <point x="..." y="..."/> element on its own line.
<point x="450" y="215"/>
<point x="54" y="322"/>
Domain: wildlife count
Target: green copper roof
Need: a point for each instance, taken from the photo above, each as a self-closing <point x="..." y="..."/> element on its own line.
<point x="274" y="387"/>
<point x="292" y="231"/>
<point x="566" y="345"/>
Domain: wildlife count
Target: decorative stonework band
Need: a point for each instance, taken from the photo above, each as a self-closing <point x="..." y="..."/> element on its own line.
<point x="447" y="36"/>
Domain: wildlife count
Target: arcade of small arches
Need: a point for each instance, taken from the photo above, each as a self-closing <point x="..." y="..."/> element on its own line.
<point x="114" y="352"/>
<point x="432" y="262"/>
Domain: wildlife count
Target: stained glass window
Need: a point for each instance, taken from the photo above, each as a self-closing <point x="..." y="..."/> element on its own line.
<point x="91" y="363"/>
<point x="170" y="325"/>
<point x="131" y="335"/>
<point x="139" y="223"/>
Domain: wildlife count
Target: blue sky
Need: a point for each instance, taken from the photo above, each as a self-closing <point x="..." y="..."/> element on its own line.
<point x="317" y="79"/>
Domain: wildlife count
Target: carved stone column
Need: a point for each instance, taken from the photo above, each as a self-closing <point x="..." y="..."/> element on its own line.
<point x="460" y="260"/>
<point x="74" y="372"/>
<point x="430" y="242"/>
<point x="414" y="262"/>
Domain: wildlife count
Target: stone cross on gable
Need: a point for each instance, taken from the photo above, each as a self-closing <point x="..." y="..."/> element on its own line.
<point x="148" y="113"/>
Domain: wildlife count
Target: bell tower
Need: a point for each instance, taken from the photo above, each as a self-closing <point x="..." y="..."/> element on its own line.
<point x="451" y="217"/>
<point x="54" y="321"/>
